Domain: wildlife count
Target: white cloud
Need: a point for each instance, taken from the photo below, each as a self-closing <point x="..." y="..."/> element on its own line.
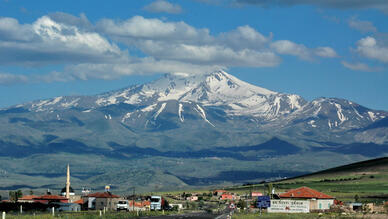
<point x="90" y="51"/>
<point x="6" y="78"/>
<point x="290" y="48"/>
<point x="47" y="42"/>
<point x="358" y="66"/>
<point x="244" y="37"/>
<point x="159" y="6"/>
<point x="140" y="28"/>
<point x="362" y="26"/>
<point x="370" y="48"/>
<point x="336" y="4"/>
<point x="326" y="52"/>
<point x="11" y="30"/>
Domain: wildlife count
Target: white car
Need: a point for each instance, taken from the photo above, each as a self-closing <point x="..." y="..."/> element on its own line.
<point x="122" y="205"/>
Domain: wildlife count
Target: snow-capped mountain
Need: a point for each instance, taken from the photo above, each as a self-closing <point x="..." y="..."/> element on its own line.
<point x="218" y="89"/>
<point x="180" y="102"/>
<point x="180" y="125"/>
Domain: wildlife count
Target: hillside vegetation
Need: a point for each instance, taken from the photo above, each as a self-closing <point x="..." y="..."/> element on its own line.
<point x="367" y="179"/>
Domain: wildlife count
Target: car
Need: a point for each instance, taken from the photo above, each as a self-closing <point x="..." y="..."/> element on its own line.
<point x="122" y="205"/>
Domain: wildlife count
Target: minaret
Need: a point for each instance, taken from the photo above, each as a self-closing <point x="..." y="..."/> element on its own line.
<point x="68" y="182"/>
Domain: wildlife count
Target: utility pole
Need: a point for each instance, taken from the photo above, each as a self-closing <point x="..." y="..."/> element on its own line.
<point x="133" y="199"/>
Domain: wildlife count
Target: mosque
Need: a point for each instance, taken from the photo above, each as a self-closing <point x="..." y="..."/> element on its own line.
<point x="68" y="191"/>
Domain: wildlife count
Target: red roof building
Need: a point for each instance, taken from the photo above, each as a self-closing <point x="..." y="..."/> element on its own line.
<point x="318" y="200"/>
<point x="81" y="202"/>
<point x="45" y="199"/>
<point x="227" y="196"/>
<point x="101" y="200"/>
<point x="219" y="192"/>
<point x="27" y="198"/>
<point x="305" y="193"/>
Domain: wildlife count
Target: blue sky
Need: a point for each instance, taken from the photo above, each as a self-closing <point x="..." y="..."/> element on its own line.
<point x="313" y="48"/>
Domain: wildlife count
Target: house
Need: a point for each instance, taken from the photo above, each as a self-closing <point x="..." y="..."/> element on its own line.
<point x="219" y="192"/>
<point x="318" y="200"/>
<point x="101" y="200"/>
<point x="227" y="196"/>
<point x="27" y="199"/>
<point x="256" y="194"/>
<point x="47" y="199"/>
<point x="192" y="198"/>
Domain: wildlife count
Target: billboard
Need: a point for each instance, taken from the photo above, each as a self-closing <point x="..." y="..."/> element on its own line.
<point x="263" y="202"/>
<point x="289" y="206"/>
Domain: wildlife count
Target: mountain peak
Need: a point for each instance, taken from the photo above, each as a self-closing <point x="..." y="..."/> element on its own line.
<point x="217" y="87"/>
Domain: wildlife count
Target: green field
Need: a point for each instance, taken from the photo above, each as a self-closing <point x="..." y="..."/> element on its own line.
<point x="91" y="214"/>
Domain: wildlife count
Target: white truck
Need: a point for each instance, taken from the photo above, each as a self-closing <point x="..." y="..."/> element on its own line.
<point x="122" y="205"/>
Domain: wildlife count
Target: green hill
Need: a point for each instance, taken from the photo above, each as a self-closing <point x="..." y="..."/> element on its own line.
<point x="367" y="179"/>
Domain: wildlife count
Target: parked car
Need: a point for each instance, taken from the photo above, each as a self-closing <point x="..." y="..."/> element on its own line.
<point x="122" y="205"/>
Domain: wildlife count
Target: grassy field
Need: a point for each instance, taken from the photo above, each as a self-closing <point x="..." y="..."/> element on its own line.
<point x="304" y="216"/>
<point x="368" y="180"/>
<point x="90" y="215"/>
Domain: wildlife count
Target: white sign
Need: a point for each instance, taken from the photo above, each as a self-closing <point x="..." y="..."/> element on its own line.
<point x="289" y="206"/>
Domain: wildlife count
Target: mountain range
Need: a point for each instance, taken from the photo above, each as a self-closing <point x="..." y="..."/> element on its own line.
<point x="183" y="130"/>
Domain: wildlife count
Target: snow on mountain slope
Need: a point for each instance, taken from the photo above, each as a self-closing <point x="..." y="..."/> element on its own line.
<point x="215" y="89"/>
<point x="333" y="113"/>
<point x="195" y="95"/>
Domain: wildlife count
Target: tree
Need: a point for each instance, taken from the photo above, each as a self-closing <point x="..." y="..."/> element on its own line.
<point x="241" y="204"/>
<point x="15" y="195"/>
<point x="19" y="194"/>
<point x="356" y="198"/>
<point x="12" y="196"/>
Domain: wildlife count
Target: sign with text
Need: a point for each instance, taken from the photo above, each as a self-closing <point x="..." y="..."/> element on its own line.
<point x="263" y="202"/>
<point x="289" y="206"/>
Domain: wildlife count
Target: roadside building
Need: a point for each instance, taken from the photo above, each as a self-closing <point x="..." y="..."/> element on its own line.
<point x="27" y="199"/>
<point x="48" y="199"/>
<point x="219" y="192"/>
<point x="99" y="200"/>
<point x="228" y="196"/>
<point x="318" y="200"/>
<point x="256" y="194"/>
<point x="192" y="198"/>
<point x="355" y="206"/>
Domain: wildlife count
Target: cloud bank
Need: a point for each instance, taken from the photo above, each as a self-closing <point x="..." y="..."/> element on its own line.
<point x="335" y="4"/>
<point x="148" y="46"/>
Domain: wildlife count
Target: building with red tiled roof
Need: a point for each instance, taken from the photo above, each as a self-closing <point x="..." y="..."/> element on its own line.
<point x="27" y="198"/>
<point x="318" y="200"/>
<point x="81" y="202"/>
<point x="305" y="193"/>
<point x="99" y="200"/>
<point x="219" y="192"/>
<point x="46" y="199"/>
<point x="227" y="196"/>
